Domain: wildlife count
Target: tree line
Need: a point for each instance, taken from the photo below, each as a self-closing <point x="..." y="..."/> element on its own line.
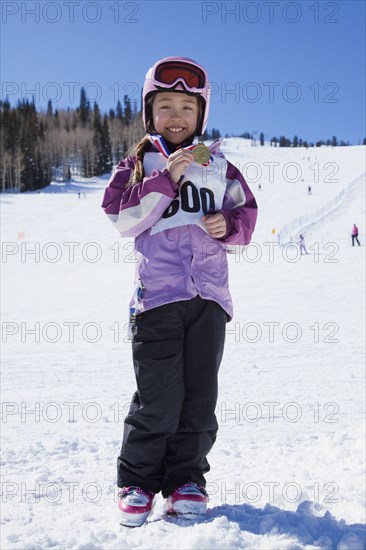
<point x="37" y="147"/>
<point x="283" y="141"/>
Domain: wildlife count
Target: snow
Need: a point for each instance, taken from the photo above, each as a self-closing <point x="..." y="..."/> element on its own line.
<point x="287" y="468"/>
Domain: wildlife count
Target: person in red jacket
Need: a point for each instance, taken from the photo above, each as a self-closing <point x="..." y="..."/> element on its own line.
<point x="354" y="235"/>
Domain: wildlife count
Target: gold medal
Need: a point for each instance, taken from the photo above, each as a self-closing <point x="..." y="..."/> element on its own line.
<point x="201" y="153"/>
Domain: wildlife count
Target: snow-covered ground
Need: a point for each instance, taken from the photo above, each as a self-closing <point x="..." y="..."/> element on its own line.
<point x="287" y="470"/>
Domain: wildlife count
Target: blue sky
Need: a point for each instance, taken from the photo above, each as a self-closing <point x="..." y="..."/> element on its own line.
<point x="278" y="67"/>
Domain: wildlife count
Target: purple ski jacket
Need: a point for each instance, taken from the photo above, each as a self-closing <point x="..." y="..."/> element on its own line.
<point x="176" y="258"/>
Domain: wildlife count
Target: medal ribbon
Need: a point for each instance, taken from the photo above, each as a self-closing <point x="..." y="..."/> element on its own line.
<point x="160" y="144"/>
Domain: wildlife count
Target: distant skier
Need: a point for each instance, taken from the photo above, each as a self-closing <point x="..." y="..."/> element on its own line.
<point x="259" y="187"/>
<point x="302" y="245"/>
<point x="309" y="190"/>
<point x="79" y="194"/>
<point x="354" y="235"/>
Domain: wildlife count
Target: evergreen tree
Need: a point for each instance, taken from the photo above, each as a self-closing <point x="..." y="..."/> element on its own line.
<point x="119" y="112"/>
<point x="127" y="109"/>
<point x="274" y="141"/>
<point x="35" y="170"/>
<point x="56" y="118"/>
<point x="67" y="125"/>
<point x="295" y="142"/>
<point x="9" y="146"/>
<point x="10" y="124"/>
<point x="282" y="141"/>
<point x="49" y="108"/>
<point x="98" y="157"/>
<point x="84" y="108"/>
<point x="215" y="134"/>
<point x="334" y="141"/>
<point x="75" y="120"/>
<point x="29" y="173"/>
<point x="261" y="138"/>
<point x="106" y="148"/>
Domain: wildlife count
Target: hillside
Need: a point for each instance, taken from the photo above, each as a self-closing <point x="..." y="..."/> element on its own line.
<point x="287" y="469"/>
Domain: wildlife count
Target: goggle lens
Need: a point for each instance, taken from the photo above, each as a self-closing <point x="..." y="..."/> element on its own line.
<point x="168" y="73"/>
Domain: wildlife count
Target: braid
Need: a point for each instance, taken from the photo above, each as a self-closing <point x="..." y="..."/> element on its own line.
<point x="139" y="151"/>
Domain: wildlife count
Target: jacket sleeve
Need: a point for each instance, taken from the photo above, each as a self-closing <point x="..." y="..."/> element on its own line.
<point x="239" y="209"/>
<point x="134" y="209"/>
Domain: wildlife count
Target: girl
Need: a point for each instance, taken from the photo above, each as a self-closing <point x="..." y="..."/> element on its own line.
<point x="185" y="205"/>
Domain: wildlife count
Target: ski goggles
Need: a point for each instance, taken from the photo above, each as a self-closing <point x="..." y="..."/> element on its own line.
<point x="169" y="73"/>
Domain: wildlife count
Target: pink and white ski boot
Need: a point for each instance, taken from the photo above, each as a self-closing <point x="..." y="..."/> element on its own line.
<point x="135" y="506"/>
<point x="189" y="499"/>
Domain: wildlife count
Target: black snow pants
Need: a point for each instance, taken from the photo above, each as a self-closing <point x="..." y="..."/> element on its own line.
<point x="171" y="425"/>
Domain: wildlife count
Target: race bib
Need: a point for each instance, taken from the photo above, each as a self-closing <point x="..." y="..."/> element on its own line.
<point x="200" y="192"/>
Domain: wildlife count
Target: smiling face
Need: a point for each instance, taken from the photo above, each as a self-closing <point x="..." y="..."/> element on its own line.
<point x="175" y="115"/>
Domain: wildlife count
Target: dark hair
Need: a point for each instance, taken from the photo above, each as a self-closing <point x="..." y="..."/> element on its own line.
<point x="139" y="151"/>
<point x="148" y="113"/>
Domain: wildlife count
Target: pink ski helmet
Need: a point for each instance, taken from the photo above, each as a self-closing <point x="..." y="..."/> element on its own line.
<point x="180" y="74"/>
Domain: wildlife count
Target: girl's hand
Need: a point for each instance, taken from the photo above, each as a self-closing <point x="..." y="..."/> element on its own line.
<point x="177" y="163"/>
<point x="215" y="225"/>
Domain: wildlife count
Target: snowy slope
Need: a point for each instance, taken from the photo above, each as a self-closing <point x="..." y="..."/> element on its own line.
<point x="287" y="469"/>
